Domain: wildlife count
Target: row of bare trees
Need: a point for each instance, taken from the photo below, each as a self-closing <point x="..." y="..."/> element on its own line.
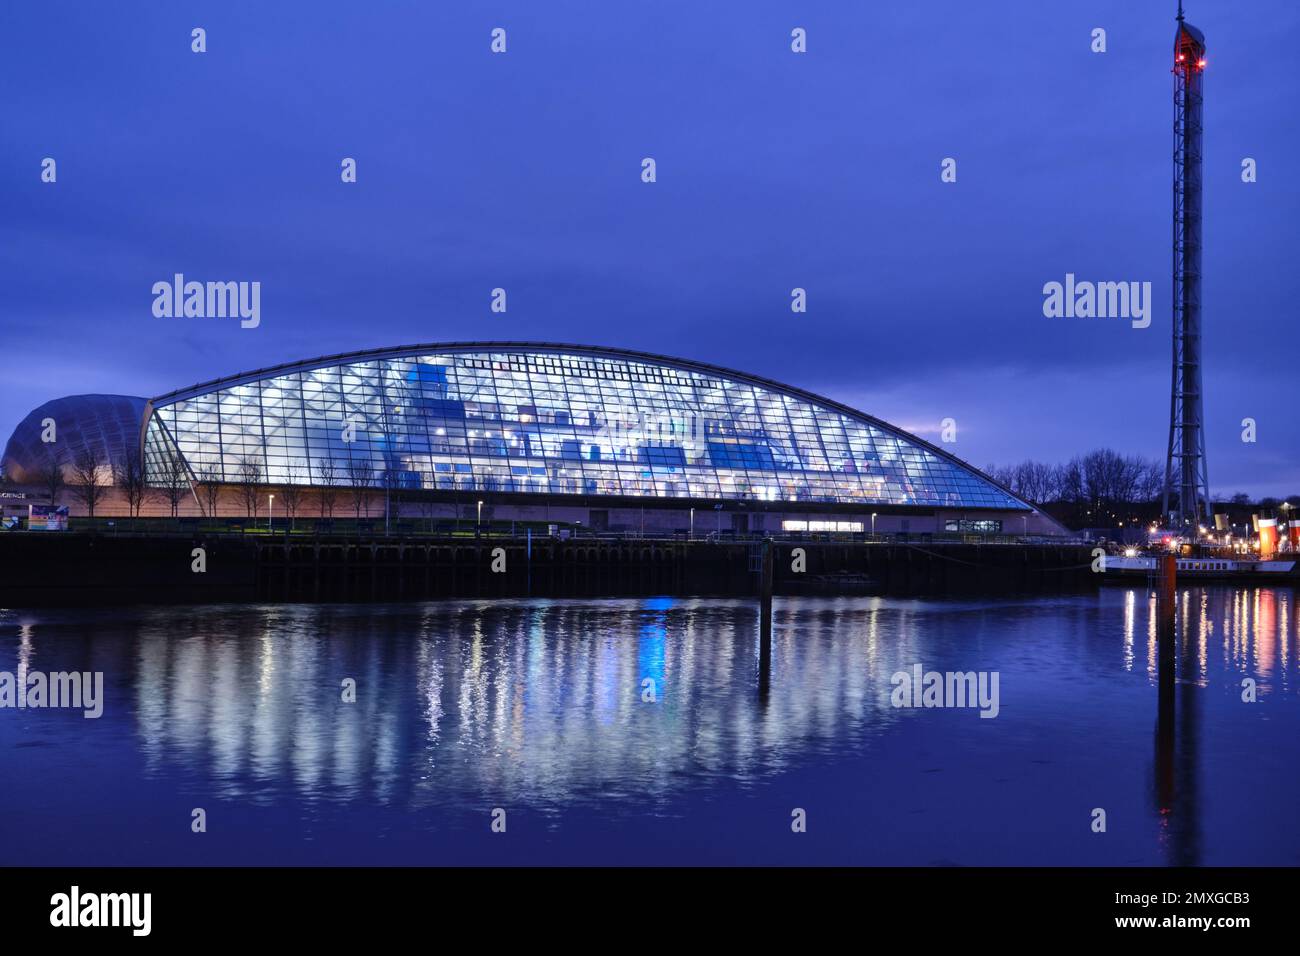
<point x="1100" y="488"/>
<point x="88" y="479"/>
<point x="250" y="487"/>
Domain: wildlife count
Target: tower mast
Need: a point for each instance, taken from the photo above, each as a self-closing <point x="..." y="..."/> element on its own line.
<point x="1186" y="499"/>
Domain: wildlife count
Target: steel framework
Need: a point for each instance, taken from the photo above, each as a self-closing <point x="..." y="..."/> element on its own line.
<point x="1186" y="497"/>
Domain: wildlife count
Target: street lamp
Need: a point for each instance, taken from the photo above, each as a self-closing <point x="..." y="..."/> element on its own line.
<point x="270" y="506"/>
<point x="479" y="523"/>
<point x="873" y="524"/>
<point x="691" y="533"/>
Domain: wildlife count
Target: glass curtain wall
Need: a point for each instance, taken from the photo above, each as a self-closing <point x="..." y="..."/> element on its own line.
<point x="551" y="422"/>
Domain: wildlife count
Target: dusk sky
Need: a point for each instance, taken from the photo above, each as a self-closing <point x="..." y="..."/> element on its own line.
<point x="775" y="170"/>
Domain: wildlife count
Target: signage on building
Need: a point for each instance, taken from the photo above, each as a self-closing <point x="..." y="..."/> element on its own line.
<point x="47" y="517"/>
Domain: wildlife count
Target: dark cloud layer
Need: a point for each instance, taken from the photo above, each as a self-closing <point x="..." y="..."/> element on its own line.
<point x="775" y="170"/>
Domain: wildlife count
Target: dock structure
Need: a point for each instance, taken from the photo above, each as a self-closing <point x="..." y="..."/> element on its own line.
<point x="94" y="569"/>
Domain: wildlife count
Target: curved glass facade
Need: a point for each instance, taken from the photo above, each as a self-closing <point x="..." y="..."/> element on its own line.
<point x="552" y="420"/>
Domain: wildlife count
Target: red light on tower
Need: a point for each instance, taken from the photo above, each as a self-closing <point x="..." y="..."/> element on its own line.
<point x="1200" y="64"/>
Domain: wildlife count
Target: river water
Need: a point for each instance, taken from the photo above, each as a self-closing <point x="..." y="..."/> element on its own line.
<point x="642" y="732"/>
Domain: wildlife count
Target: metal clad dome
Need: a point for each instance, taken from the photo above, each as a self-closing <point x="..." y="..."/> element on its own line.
<point x="106" y="425"/>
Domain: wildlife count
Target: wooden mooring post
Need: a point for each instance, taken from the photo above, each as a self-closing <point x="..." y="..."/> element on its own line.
<point x="1166" y="616"/>
<point x="765" y="576"/>
<point x="1166" y="613"/>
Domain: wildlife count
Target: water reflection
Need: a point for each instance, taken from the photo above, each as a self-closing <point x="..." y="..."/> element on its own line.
<point x="1255" y="638"/>
<point x="542" y="703"/>
<point x="529" y="700"/>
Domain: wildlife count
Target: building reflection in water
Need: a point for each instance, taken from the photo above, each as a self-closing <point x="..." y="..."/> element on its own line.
<point x="477" y="704"/>
<point x="526" y="700"/>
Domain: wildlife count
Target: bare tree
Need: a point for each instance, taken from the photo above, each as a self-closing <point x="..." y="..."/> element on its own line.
<point x="209" y="487"/>
<point x="90" y="479"/>
<point x="292" y="493"/>
<point x="1004" y="475"/>
<point x="248" y="482"/>
<point x="1116" y="487"/>
<point x="1150" y="482"/>
<point x="391" y="481"/>
<point x="1036" y="481"/>
<point x="329" y="477"/>
<point x="128" y="474"/>
<point x="172" y="480"/>
<point x="361" y="477"/>
<point x="50" y="473"/>
<point x="1032" y="480"/>
<point x="1070" y="481"/>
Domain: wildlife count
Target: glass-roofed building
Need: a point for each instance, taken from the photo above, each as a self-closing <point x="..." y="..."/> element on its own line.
<point x="603" y="437"/>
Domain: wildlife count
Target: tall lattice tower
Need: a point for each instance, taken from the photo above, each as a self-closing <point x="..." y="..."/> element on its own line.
<point x="1187" y="488"/>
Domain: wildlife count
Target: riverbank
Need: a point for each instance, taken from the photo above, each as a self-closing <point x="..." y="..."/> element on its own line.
<point x="86" y="570"/>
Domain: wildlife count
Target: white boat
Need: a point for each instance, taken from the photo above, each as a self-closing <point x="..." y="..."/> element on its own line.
<point x="1123" y="567"/>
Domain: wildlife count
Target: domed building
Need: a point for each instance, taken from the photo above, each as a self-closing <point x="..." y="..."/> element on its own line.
<point x="62" y="431"/>
<point x="606" y="438"/>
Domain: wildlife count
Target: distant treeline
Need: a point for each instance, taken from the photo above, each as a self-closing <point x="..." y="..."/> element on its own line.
<point x="1103" y="488"/>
